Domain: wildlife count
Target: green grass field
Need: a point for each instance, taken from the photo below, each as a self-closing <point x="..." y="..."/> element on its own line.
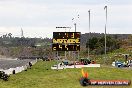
<point x="39" y="77"/>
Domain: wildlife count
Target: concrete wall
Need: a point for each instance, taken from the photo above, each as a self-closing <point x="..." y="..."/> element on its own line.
<point x="18" y="69"/>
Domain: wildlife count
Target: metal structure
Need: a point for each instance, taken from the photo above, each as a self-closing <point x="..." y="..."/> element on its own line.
<point x="105" y="8"/>
<point x="75" y="24"/>
<point x="74" y="52"/>
<point x="89" y="34"/>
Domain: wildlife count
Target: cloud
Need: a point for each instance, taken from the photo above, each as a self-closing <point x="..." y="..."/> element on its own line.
<point x="37" y="17"/>
<point x="29" y="31"/>
<point x="16" y="13"/>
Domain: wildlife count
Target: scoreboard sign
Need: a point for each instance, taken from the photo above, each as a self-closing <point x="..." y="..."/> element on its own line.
<point x="66" y="41"/>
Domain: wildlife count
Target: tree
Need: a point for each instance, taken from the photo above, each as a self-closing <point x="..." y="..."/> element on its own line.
<point x="97" y="44"/>
<point x="92" y="43"/>
<point x="10" y="35"/>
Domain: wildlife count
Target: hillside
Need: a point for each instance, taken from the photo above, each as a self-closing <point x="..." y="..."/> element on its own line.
<point x="39" y="77"/>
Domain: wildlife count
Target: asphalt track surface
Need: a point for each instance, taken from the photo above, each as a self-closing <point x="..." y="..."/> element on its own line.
<point x="6" y="64"/>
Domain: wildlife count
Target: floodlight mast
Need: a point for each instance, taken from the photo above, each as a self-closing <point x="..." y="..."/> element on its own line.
<point x="74" y="52"/>
<point x="75" y="24"/>
<point x="105" y="8"/>
<point x="89" y="34"/>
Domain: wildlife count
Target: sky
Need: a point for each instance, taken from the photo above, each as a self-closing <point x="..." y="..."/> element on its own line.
<point x="39" y="18"/>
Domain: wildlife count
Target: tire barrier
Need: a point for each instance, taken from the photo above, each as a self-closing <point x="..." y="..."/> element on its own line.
<point x="85" y="81"/>
<point x="30" y="65"/>
<point x="4" y="76"/>
<point x="13" y="72"/>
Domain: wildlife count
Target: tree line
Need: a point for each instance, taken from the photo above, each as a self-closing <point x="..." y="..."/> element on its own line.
<point x="97" y="44"/>
<point x="15" y="46"/>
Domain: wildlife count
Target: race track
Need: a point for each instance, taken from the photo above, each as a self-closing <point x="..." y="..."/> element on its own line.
<point x="6" y="64"/>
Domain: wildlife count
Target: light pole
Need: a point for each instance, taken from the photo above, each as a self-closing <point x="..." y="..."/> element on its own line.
<point x="74" y="52"/>
<point x="57" y="60"/>
<point x="75" y="24"/>
<point x="89" y="33"/>
<point x="105" y="8"/>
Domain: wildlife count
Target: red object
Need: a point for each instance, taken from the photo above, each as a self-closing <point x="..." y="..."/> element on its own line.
<point x="93" y="62"/>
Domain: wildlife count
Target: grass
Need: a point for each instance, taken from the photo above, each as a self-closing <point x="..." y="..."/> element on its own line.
<point x="40" y="77"/>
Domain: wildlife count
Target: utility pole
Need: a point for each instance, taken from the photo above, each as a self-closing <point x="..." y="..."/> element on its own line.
<point x="105" y="8"/>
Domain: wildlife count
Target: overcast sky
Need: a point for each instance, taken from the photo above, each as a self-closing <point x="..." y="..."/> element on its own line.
<point x="39" y="18"/>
